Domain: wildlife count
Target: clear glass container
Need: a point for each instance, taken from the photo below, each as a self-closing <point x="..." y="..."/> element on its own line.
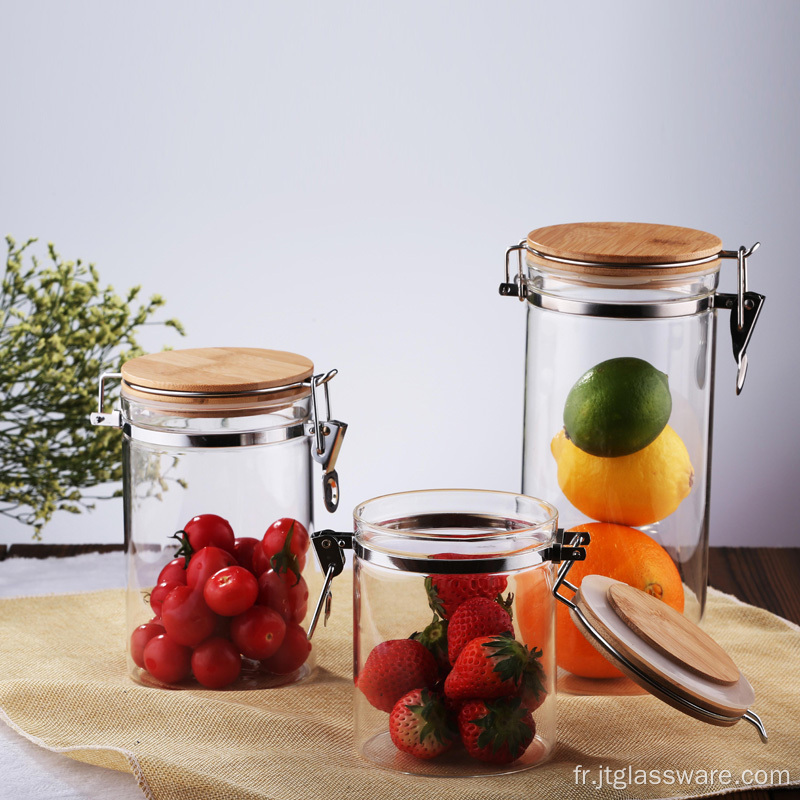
<point x="619" y="394"/>
<point x="229" y="466"/>
<point x="403" y="544"/>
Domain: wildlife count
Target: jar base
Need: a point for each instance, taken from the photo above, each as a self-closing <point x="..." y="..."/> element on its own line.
<point x="381" y="751"/>
<point x="251" y="678"/>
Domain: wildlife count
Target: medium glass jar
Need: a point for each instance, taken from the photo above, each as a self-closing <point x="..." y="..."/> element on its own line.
<point x="619" y="389"/>
<point x="441" y="578"/>
<point x="218" y="448"/>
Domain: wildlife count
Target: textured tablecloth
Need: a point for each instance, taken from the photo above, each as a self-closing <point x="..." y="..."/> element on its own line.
<point x="296" y="742"/>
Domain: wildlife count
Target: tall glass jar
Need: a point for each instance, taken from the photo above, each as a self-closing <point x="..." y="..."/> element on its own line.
<point x="619" y="389"/>
<point x="442" y="577"/>
<point x="218" y="448"/>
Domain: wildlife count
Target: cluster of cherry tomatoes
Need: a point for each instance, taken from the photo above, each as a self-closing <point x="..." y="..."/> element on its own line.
<point x="224" y="599"/>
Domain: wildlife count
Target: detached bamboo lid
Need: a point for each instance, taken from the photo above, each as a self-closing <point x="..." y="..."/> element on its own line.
<point x="662" y="651"/>
<point x="625" y="249"/>
<point x="239" y="376"/>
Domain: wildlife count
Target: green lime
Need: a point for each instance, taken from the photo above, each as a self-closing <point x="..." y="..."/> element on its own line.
<point x="618" y="407"/>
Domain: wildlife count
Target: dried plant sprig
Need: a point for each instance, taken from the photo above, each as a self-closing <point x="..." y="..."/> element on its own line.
<point x="59" y="330"/>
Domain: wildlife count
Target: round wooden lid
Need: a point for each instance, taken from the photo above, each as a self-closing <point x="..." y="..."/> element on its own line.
<point x="623" y="248"/>
<point x="211" y="371"/>
<point x="662" y="651"/>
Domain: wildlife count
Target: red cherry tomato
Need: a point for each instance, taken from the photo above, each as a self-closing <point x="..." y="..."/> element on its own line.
<point x="231" y="591"/>
<point x="292" y="653"/>
<point x="209" y="530"/>
<point x="258" y="632"/>
<point x="204" y="563"/>
<point x="174" y="572"/>
<point x="283" y="592"/>
<point x="284" y="543"/>
<point x="166" y="660"/>
<point x="158" y="594"/>
<point x="243" y="550"/>
<point x="186" y="617"/>
<point x="216" y="663"/>
<point x="140" y="637"/>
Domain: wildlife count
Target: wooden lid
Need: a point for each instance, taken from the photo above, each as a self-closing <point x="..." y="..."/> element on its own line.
<point x="676" y="656"/>
<point x="214" y="373"/>
<point x="623" y="248"/>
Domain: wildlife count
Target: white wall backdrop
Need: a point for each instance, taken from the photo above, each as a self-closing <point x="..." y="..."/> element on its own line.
<point x="342" y="179"/>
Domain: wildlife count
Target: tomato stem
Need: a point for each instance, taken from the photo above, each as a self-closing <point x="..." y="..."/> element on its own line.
<point x="186" y="550"/>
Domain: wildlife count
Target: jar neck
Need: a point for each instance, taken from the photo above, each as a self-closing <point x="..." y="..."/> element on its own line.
<point x="621" y="296"/>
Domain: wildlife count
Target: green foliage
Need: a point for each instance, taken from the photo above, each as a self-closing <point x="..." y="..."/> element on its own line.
<point x="59" y="330"/>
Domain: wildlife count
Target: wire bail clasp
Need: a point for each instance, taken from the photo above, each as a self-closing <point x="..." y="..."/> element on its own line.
<point x="329" y="547"/>
<point x="112" y="419"/>
<point x="517" y="287"/>
<point x="745" y="306"/>
<point x="328" y="436"/>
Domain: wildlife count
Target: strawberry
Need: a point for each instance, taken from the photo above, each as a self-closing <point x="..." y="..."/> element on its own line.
<point x="394" y="668"/>
<point x="435" y="638"/>
<point x="447" y="592"/>
<point x="495" y="666"/>
<point x="421" y="725"/>
<point x="478" y="616"/>
<point x="497" y="731"/>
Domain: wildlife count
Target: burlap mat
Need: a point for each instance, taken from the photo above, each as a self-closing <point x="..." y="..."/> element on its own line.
<point x="63" y="683"/>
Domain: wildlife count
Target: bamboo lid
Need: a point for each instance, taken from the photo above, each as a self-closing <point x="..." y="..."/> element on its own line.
<point x="217" y="376"/>
<point x="662" y="651"/>
<point x="625" y="249"/>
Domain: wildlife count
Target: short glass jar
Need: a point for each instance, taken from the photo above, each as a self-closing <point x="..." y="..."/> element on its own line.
<point x="433" y="571"/>
<point x="218" y="448"/>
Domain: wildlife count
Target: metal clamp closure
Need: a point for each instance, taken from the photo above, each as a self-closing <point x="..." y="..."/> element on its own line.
<point x="329" y="547"/>
<point x="328" y="436"/>
<point x="518" y="287"/>
<point x="746" y="305"/>
<point x="112" y="419"/>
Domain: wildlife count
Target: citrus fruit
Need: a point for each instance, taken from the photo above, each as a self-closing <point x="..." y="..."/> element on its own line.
<point x="626" y="555"/>
<point x="638" y="489"/>
<point x="618" y="407"/>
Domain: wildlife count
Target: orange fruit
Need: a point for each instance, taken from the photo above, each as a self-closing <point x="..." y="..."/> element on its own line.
<point x="617" y="551"/>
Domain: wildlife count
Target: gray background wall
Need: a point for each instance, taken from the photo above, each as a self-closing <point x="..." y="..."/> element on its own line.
<point x="342" y="180"/>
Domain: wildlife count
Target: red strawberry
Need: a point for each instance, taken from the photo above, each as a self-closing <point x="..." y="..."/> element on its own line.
<point x="434" y="637"/>
<point x="478" y="616"/>
<point x="447" y="592"/>
<point x="421" y="725"/>
<point x="495" y="666"/>
<point x="497" y="731"/>
<point x="394" y="668"/>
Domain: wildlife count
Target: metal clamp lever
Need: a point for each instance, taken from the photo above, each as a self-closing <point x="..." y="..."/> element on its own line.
<point x="328" y="436"/>
<point x="329" y="547"/>
<point x="100" y="417"/>
<point x="744" y="306"/>
<point x="560" y="551"/>
<point x="517" y="287"/>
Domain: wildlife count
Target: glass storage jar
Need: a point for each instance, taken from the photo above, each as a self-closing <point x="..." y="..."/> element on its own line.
<point x="428" y="700"/>
<point x="429" y="570"/>
<point x="619" y="387"/>
<point x="218" y="446"/>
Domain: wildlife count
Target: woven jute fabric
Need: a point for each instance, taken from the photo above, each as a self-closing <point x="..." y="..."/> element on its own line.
<point x="64" y="685"/>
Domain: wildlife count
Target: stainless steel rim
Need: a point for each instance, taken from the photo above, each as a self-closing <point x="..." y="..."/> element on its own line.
<point x="182" y="439"/>
<point x="665" y="309"/>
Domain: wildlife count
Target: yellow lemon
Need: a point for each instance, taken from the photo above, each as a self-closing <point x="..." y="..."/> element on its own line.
<point x="635" y="490"/>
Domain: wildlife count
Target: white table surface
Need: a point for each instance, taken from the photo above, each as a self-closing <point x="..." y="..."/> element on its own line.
<point x="30" y="771"/>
